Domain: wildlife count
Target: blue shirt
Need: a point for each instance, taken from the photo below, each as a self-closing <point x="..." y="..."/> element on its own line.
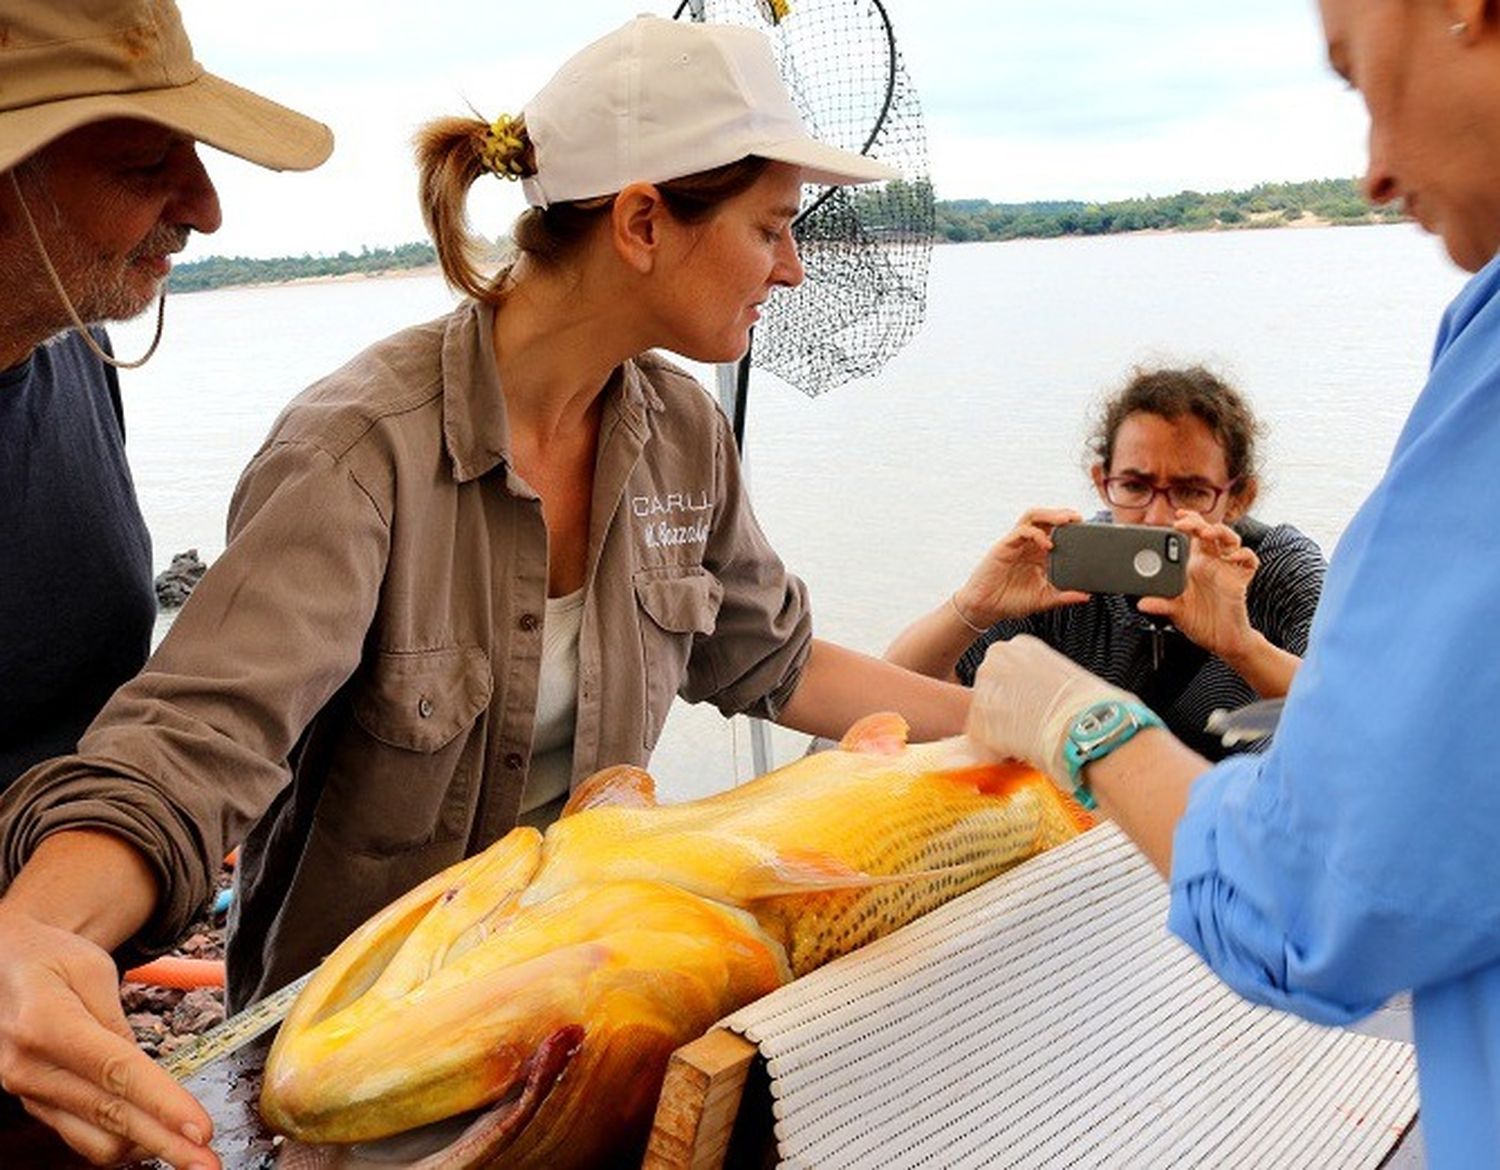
<point x="1361" y="855"/>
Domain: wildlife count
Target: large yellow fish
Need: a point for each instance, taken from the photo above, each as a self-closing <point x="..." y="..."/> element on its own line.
<point x="542" y="984"/>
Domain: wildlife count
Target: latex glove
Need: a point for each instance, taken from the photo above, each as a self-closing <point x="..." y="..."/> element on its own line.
<point x="1026" y="696"/>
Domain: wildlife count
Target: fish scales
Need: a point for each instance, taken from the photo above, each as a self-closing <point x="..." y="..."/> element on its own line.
<point x="544" y="984"/>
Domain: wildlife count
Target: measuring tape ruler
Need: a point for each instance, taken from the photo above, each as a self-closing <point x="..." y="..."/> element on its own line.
<point x="234" y="1033"/>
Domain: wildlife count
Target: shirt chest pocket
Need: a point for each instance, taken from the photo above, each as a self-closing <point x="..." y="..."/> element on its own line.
<point x="408" y="771"/>
<point x="677" y="606"/>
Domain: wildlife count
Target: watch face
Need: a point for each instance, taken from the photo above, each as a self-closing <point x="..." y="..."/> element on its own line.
<point x="1098" y="721"/>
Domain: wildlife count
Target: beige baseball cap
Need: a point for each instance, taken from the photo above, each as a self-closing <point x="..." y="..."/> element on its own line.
<point x="659" y="99"/>
<point x="65" y="63"/>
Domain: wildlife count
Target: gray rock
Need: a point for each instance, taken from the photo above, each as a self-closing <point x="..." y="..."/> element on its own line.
<point x="175" y="583"/>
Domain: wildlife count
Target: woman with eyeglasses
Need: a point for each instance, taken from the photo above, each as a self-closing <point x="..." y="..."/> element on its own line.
<point x="1173" y="448"/>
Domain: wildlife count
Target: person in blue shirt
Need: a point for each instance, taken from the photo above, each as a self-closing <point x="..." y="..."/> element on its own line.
<point x="1360" y="855"/>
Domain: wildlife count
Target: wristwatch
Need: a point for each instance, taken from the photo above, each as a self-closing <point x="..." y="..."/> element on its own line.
<point x="1098" y="730"/>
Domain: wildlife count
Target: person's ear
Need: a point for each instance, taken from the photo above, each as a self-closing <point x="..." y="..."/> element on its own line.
<point x="636" y="226"/>
<point x="1096" y="473"/>
<point x="1242" y="499"/>
<point x="1467" y="19"/>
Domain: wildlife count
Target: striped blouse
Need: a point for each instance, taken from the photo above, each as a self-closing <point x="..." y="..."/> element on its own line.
<point x="1181" y="682"/>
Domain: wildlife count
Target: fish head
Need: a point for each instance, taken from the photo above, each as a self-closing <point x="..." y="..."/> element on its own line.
<point x="554" y="1031"/>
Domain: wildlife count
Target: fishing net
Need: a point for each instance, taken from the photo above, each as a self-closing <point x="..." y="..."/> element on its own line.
<point x="865" y="249"/>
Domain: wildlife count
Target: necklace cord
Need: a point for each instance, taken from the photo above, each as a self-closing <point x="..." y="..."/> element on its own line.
<point x="83" y="330"/>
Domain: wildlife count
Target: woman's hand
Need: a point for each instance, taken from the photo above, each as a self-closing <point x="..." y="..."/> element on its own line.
<point x="1211" y="611"/>
<point x="1011" y="580"/>
<point x="67" y="1052"/>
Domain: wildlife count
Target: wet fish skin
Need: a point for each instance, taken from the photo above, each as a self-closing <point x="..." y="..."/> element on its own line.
<point x="643" y="926"/>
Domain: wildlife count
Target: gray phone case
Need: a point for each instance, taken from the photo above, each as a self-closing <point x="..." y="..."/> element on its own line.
<point x="1134" y="559"/>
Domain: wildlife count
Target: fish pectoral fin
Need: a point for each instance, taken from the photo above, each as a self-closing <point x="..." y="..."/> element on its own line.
<point x="620" y="786"/>
<point x="883" y="734"/>
<point x="498" y="1126"/>
<point x="803" y="872"/>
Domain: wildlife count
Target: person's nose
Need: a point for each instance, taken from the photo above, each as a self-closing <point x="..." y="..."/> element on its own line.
<point x="788" y="271"/>
<point x="1159" y="512"/>
<point x="1380" y="180"/>
<point x="194" y="203"/>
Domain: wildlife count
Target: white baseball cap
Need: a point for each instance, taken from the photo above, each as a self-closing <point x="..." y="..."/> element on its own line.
<point x="659" y="99"/>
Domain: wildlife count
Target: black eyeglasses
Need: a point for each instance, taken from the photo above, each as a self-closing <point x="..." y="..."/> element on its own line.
<point x="1132" y="491"/>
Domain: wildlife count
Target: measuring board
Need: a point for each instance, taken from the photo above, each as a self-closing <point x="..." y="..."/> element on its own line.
<point x="235" y="1032"/>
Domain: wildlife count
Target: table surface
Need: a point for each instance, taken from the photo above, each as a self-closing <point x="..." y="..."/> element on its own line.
<point x="230" y="1087"/>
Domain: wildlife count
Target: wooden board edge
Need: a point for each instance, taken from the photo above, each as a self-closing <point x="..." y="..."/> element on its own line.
<point x="700" y="1099"/>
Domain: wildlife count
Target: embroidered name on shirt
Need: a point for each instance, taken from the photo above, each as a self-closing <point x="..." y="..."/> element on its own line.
<point x="664" y="533"/>
<point x="648" y="506"/>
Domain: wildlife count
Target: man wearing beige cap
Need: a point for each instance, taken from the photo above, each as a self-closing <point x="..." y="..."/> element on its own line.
<point x="101" y="107"/>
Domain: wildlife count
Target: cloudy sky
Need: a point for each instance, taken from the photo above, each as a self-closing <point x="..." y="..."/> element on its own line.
<point x="1023" y="99"/>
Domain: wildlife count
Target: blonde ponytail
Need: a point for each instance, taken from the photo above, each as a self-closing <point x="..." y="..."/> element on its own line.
<point x="452" y="153"/>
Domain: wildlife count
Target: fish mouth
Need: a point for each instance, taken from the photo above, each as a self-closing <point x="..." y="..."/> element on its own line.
<point x="472" y="1139"/>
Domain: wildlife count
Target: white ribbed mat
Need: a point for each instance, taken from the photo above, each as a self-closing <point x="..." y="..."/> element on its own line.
<point x="1048" y="1019"/>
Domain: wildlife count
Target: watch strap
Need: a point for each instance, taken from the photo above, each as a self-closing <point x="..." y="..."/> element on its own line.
<point x="1098" y="730"/>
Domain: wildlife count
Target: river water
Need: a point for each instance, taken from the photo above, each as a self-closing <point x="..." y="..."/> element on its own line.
<point x="883" y="493"/>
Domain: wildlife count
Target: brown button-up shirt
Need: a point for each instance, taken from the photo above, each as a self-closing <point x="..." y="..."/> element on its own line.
<point x="354" y="682"/>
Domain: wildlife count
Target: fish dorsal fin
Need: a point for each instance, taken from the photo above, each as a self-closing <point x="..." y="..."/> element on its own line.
<point x="883" y="734"/>
<point x="808" y="872"/>
<point x="620" y="786"/>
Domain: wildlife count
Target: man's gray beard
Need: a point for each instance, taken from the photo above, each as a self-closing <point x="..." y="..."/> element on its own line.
<point x="99" y="292"/>
<point x="105" y="295"/>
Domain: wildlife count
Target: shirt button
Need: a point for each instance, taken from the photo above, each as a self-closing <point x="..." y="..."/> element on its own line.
<point x="528" y="622"/>
<point x="424" y="708"/>
<point x="513" y="761"/>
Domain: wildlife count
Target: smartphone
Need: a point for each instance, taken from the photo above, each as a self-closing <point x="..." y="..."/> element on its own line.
<point x="1135" y="559"/>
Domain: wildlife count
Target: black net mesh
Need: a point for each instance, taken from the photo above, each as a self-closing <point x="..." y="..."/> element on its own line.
<point x="865" y="249"/>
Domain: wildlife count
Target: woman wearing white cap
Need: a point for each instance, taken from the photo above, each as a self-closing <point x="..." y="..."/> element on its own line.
<point x="478" y="562"/>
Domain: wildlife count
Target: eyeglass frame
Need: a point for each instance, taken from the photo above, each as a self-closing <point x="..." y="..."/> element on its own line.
<point x="1219" y="492"/>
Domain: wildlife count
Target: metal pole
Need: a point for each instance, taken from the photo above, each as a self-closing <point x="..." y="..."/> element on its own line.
<point x="733" y="379"/>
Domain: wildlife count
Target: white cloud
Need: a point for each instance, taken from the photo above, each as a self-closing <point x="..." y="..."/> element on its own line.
<point x="1097" y="100"/>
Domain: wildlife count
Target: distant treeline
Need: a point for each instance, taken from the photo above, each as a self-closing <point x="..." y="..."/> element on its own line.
<point x="956" y="220"/>
<point x="1266" y="205"/>
<point x="219" y="271"/>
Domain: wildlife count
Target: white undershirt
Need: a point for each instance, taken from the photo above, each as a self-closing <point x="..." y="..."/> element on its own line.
<point x="556" y="703"/>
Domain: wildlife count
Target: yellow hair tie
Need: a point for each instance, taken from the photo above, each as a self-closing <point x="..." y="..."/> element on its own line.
<point x="502" y="149"/>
